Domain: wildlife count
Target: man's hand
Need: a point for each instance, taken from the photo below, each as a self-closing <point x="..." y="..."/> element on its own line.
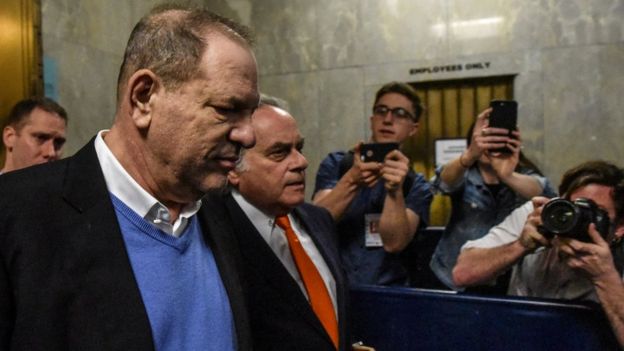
<point x="531" y="238"/>
<point x="360" y="175"/>
<point x="596" y="262"/>
<point x="397" y="224"/>
<point x="364" y="174"/>
<point x="394" y="171"/>
<point x="595" y="259"/>
<point x="505" y="164"/>
<point x="485" y="138"/>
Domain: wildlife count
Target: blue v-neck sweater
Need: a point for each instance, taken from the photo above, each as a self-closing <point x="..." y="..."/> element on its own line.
<point x="185" y="300"/>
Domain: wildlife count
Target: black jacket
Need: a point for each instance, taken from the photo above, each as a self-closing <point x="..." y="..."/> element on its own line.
<point x="65" y="277"/>
<point x="281" y="317"/>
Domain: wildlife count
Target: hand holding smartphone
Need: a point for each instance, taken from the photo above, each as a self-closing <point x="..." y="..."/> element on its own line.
<point x="504" y="115"/>
<point x="376" y="152"/>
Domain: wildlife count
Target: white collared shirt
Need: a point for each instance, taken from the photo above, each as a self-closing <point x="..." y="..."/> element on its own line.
<point x="276" y="239"/>
<point x="126" y="189"/>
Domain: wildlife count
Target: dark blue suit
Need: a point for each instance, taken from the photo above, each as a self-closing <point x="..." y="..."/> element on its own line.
<point x="280" y="315"/>
<point x="65" y="278"/>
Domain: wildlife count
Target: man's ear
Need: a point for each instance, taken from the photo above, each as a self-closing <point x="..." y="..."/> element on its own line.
<point x="8" y="137"/>
<point x="144" y="86"/>
<point x="414" y="129"/>
<point x="233" y="178"/>
<point x="619" y="230"/>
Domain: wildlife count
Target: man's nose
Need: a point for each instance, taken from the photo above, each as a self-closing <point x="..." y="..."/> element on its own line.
<point x="388" y="117"/>
<point x="50" y="151"/>
<point x="301" y="162"/>
<point x="243" y="133"/>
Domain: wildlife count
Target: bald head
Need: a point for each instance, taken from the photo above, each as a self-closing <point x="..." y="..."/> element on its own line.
<point x="272" y="176"/>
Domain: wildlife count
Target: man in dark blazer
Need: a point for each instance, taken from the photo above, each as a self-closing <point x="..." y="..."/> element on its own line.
<point x="112" y="249"/>
<point x="268" y="184"/>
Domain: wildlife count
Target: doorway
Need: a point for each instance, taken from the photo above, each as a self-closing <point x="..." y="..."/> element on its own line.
<point x="20" y="54"/>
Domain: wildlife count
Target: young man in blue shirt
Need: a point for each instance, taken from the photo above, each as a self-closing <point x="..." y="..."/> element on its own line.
<point x="377" y="215"/>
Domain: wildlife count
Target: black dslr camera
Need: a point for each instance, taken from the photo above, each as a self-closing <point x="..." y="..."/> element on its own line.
<point x="571" y="219"/>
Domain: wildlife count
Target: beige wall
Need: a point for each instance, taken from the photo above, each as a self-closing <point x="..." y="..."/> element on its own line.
<point x="327" y="58"/>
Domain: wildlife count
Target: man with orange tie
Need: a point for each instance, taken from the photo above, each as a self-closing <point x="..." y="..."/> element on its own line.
<point x="295" y="285"/>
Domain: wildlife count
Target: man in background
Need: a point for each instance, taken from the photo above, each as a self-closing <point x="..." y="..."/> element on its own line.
<point x="378" y="206"/>
<point x="34" y="133"/>
<point x="296" y="289"/>
<point x="112" y="248"/>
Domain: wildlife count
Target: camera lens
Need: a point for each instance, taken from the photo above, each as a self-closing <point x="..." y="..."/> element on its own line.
<point x="559" y="216"/>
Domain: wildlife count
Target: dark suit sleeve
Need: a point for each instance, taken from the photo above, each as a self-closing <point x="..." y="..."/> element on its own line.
<point x="7" y="314"/>
<point x="6" y="308"/>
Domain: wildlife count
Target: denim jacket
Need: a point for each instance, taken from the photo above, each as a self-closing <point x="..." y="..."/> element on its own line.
<point x="474" y="211"/>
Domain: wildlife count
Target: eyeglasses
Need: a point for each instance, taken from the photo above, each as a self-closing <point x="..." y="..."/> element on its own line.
<point x="397" y="112"/>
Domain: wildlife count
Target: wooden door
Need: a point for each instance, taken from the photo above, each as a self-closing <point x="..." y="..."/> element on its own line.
<point x="20" y="54"/>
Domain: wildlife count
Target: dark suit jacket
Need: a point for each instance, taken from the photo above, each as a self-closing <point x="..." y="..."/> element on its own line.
<point x="281" y="317"/>
<point x="65" y="277"/>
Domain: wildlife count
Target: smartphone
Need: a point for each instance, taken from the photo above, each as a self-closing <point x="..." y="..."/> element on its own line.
<point x="504" y="115"/>
<point x="376" y="152"/>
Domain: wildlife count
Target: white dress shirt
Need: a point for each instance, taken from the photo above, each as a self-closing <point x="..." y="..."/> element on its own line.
<point x="126" y="189"/>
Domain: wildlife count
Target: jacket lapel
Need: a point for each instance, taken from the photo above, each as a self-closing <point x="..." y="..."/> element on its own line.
<point x="325" y="243"/>
<point x="219" y="236"/>
<point x="263" y="262"/>
<point x="107" y="286"/>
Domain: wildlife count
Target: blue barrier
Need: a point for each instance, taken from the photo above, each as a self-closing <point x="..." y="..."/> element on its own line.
<point x="415" y="319"/>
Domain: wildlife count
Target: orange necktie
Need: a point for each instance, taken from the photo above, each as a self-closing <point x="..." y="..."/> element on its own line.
<point x="317" y="292"/>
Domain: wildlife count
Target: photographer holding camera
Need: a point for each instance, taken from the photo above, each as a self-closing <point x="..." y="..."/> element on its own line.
<point x="557" y="248"/>
<point x="596" y="261"/>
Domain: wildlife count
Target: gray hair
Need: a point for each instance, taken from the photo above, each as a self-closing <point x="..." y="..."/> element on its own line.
<point x="273" y="101"/>
<point x="170" y="41"/>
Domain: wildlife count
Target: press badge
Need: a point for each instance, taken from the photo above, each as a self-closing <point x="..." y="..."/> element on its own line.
<point x="371" y="225"/>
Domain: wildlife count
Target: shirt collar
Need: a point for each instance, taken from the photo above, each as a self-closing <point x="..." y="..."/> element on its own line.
<point x="261" y="221"/>
<point x="126" y="189"/>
